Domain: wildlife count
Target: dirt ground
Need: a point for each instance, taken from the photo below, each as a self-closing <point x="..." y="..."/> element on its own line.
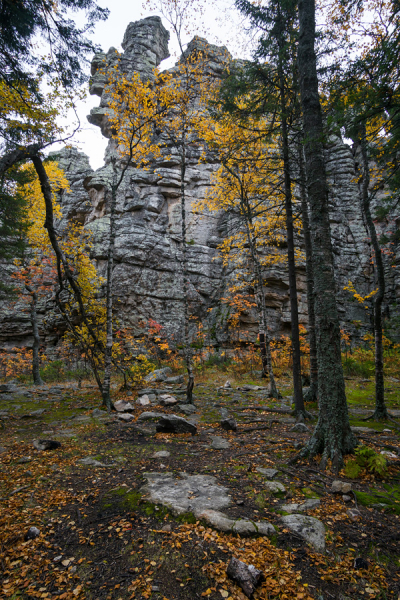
<point x="100" y="538"/>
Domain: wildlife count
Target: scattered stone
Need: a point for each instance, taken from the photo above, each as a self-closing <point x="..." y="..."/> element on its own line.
<point x="81" y="418"/>
<point x="298" y="445"/>
<point x="302" y="507"/>
<point x="161" y="454"/>
<point x="310" y="529"/>
<point x="229" y="424"/>
<point x="46" y="444"/>
<point x="227" y="385"/>
<point x="387" y="431"/>
<point x="354" y="514"/>
<point x="219" y="443"/>
<point x="361" y="563"/>
<point x="187" y="409"/>
<point x="91" y="462"/>
<point x="363" y="430"/>
<point x="253" y="388"/>
<point x="389" y="454"/>
<point x="274" y="487"/>
<point x="155" y="588"/>
<point x="32" y="533"/>
<point x="143" y="400"/>
<point x="158" y="375"/>
<point x="177" y="379"/>
<point x="340" y="487"/>
<point x="167" y="528"/>
<point x="125" y="417"/>
<point x="9" y="388"/>
<point x="2" y="449"/>
<point x="122" y="406"/>
<point x="150" y="416"/>
<point x="175" y="424"/>
<point x="55" y="468"/>
<point x="24" y="460"/>
<point x="269" y="473"/>
<point x="57" y="559"/>
<point x="246" y="576"/>
<point x="346" y="498"/>
<point x="99" y="413"/>
<point x="167" y="400"/>
<point x="300" y="428"/>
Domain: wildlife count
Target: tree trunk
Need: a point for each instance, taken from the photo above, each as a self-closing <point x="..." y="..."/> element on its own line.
<point x="186" y="284"/>
<point x="332" y="436"/>
<point x="109" y="303"/>
<point x="37" y="380"/>
<point x="312" y="394"/>
<point x="265" y="344"/>
<point x="380" y="406"/>
<point x="294" y="310"/>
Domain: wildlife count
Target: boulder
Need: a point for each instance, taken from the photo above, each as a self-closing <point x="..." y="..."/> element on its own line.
<point x="143" y="400"/>
<point x="32" y="533"/>
<point x="219" y="443"/>
<point x="167" y="400"/>
<point x="228" y="424"/>
<point x="158" y="375"/>
<point x="161" y="454"/>
<point x="172" y="380"/>
<point x="246" y="576"/>
<point x="123" y="406"/>
<point x="99" y="413"/>
<point x="310" y="529"/>
<point x="175" y="424"/>
<point x="300" y="428"/>
<point x="46" y="444"/>
<point x="150" y="416"/>
<point x="340" y="487"/>
<point x="188" y="409"/>
<point x="125" y="417"/>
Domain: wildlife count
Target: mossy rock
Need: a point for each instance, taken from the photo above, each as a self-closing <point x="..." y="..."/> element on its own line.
<point x="309" y="493"/>
<point x="387" y="500"/>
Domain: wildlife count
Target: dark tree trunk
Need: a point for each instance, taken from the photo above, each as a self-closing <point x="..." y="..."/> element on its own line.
<point x="37" y="380"/>
<point x="312" y="393"/>
<point x="287" y="185"/>
<point x="332" y="436"/>
<point x="186" y="284"/>
<point x="380" y="406"/>
<point x="109" y="304"/>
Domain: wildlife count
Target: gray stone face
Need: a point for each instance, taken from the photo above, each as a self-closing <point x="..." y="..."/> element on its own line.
<point x="310" y="529"/>
<point x="148" y="245"/>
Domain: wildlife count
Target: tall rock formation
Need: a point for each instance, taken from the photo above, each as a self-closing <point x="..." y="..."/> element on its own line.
<point x="148" y="273"/>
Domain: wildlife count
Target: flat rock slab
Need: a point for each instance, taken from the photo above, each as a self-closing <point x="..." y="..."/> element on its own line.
<point x="363" y="430"/>
<point x="302" y="507"/>
<point x="92" y="462"/>
<point x="219" y="443"/>
<point x="187" y="409"/>
<point x="191" y="493"/>
<point x="151" y="416"/>
<point x="125" y="417"/>
<point x="161" y="454"/>
<point x="122" y="406"/>
<point x="269" y="473"/>
<point x="310" y="529"/>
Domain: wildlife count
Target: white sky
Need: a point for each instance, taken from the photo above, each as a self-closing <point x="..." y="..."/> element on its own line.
<point x="220" y="30"/>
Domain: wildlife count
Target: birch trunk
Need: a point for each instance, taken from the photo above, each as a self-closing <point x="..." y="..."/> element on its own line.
<point x="332" y="436"/>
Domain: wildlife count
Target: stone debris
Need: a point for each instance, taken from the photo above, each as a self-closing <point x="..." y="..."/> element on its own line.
<point x="172" y="380"/>
<point x="167" y="400"/>
<point x="219" y="443"/>
<point x="161" y="454"/>
<point x="46" y="444"/>
<point x="269" y="473"/>
<point x="310" y="529"/>
<point x="354" y="514"/>
<point x="24" y="460"/>
<point x="274" y="487"/>
<point x="32" y="533"/>
<point x="158" y="375"/>
<point x="300" y="428"/>
<point x="187" y="409"/>
<point x="302" y="507"/>
<point x="340" y="487"/>
<point x="122" y="406"/>
<point x="143" y="400"/>
<point x="2" y="449"/>
<point x="125" y="417"/>
<point x="246" y="576"/>
<point x="175" y="424"/>
<point x="151" y="416"/>
<point x="99" y="413"/>
<point x="91" y="462"/>
<point x="229" y="424"/>
<point x="227" y="385"/>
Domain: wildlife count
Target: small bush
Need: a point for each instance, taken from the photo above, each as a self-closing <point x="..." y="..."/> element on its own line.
<point x="53" y="371"/>
<point x="368" y="460"/>
<point x="356" y="368"/>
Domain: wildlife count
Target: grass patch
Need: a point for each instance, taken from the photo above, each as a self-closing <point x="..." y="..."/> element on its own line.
<point x="387" y="499"/>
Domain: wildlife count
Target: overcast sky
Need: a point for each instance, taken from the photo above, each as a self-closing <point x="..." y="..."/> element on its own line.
<point x="109" y="33"/>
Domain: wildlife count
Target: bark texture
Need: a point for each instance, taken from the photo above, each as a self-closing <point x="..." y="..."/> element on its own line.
<point x="380" y="406"/>
<point x="332" y="436"/>
<point x="37" y="380"/>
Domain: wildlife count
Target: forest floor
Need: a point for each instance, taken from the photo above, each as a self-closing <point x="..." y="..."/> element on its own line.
<point x="103" y="537"/>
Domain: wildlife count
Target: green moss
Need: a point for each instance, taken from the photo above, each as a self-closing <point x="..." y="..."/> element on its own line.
<point x="309" y="493"/>
<point x="387" y="499"/>
<point x="352" y="469"/>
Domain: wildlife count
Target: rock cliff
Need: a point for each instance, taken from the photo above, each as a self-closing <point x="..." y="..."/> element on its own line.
<point x="148" y="280"/>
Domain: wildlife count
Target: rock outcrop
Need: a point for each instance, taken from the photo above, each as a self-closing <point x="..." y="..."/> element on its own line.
<point x="148" y="274"/>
